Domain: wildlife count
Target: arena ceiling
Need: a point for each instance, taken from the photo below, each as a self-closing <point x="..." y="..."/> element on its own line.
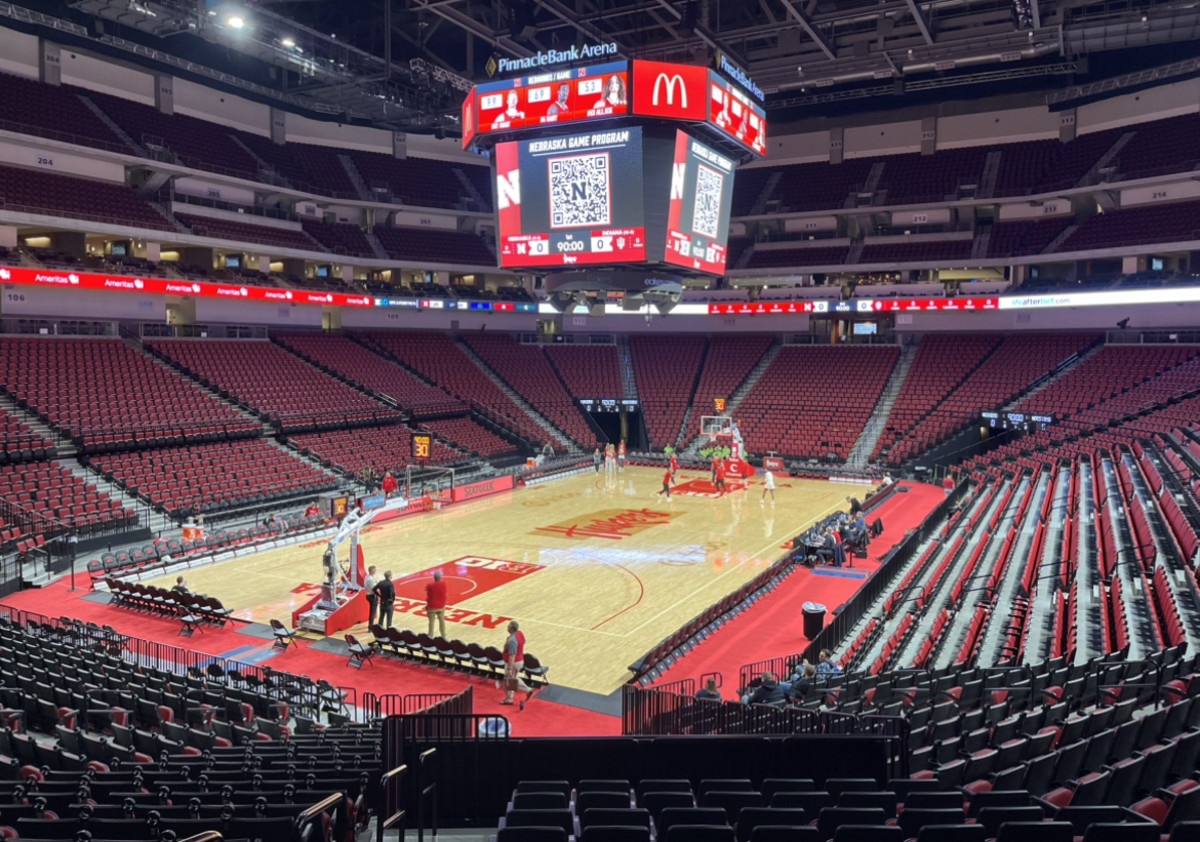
<point x="404" y="63"/>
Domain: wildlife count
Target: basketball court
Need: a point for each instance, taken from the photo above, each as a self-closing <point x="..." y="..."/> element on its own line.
<point x="597" y="571"/>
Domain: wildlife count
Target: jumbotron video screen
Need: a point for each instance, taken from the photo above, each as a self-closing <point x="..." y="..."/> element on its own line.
<point x="571" y="200"/>
<point x="700" y="205"/>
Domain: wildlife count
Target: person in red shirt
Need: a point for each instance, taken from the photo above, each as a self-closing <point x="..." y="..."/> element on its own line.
<point x="389" y="485"/>
<point x="666" y="489"/>
<point x="621" y="455"/>
<point x="674" y="467"/>
<point x="721" y="489"/>
<point x="435" y="603"/>
<point x="311" y="511"/>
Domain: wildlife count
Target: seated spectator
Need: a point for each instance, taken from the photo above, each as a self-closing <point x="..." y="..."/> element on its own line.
<point x="710" y="691"/>
<point x="803" y="685"/>
<point x="825" y="666"/>
<point x="828" y="549"/>
<point x="180" y="586"/>
<point x="312" y="511"/>
<point x="768" y="692"/>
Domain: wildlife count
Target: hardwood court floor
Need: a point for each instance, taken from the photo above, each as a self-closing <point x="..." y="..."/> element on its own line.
<point x="597" y="572"/>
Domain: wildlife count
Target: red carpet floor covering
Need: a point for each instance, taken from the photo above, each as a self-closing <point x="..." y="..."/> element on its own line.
<point x="773" y="626"/>
<point x="540" y="718"/>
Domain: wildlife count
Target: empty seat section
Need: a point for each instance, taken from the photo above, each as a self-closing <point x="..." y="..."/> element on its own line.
<point x="193" y="142"/>
<point x="589" y="371"/>
<point x="213" y="478"/>
<point x="667" y="369"/>
<point x="1008" y="371"/>
<point x="58" y="500"/>
<point x="526" y="370"/>
<point x="941" y="363"/>
<point x="377" y="448"/>
<point x="361" y="366"/>
<point x="437" y="357"/>
<point x="242" y="232"/>
<point x="103" y="392"/>
<point x="456" y="247"/>
<point x="80" y="198"/>
<point x="278" y="385"/>
<point x="414" y="181"/>
<point x="340" y="237"/>
<point x="1172" y="222"/>
<point x="31" y="107"/>
<point x="812" y="402"/>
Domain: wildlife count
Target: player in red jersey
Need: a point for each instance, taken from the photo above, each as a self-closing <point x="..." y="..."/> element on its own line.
<point x="721" y="489"/>
<point x="674" y="467"/>
<point x="666" y="489"/>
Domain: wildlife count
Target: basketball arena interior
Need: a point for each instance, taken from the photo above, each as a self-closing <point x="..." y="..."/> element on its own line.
<point x="576" y="421"/>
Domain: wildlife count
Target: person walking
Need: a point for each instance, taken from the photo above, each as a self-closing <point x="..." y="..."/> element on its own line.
<point x="387" y="599"/>
<point x="514" y="662"/>
<point x="369" y="585"/>
<point x="435" y="603"/>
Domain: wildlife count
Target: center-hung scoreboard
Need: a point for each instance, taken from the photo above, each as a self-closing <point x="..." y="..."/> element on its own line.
<point x="624" y="163"/>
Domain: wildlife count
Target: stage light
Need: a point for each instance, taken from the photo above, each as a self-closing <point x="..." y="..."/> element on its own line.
<point x="235" y="22"/>
<point x="288" y="42"/>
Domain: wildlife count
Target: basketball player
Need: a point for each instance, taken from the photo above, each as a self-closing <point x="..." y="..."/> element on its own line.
<point x="510" y="114"/>
<point x="768" y="485"/>
<point x="666" y="488"/>
<point x="721" y="489"/>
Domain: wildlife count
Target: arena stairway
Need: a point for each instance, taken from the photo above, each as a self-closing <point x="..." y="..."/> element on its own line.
<point x="551" y="430"/>
<point x="62" y="445"/>
<point x="1055" y="377"/>
<point x="694" y="441"/>
<point x="865" y="446"/>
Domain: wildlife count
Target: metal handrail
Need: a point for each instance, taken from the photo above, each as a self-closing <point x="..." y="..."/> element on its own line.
<point x="320" y="807"/>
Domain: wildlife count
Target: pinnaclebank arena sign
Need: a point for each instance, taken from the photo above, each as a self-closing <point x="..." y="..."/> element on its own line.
<point x="546" y="58"/>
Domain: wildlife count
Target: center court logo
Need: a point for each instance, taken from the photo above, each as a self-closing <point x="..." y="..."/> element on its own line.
<point x="670" y="83"/>
<point x="613" y="524"/>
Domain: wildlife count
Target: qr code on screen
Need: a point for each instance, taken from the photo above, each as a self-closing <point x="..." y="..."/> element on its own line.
<point x="706" y="214"/>
<point x="579" y="191"/>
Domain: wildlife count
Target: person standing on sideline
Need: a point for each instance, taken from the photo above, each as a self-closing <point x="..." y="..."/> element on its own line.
<point x="674" y="467"/>
<point x="621" y="456"/>
<point x="435" y="602"/>
<point x="387" y="598"/>
<point x="768" y="485"/>
<point x="666" y="489"/>
<point x="514" y="662"/>
<point x="389" y="485"/>
<point x="369" y="585"/>
<point x="610" y="461"/>
<point x="721" y="489"/>
<point x="596" y="459"/>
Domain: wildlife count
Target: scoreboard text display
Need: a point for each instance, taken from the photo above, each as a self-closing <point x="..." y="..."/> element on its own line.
<point x="547" y="99"/>
<point x="422" y="445"/>
<point x="571" y="200"/>
<point x="700" y="205"/>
